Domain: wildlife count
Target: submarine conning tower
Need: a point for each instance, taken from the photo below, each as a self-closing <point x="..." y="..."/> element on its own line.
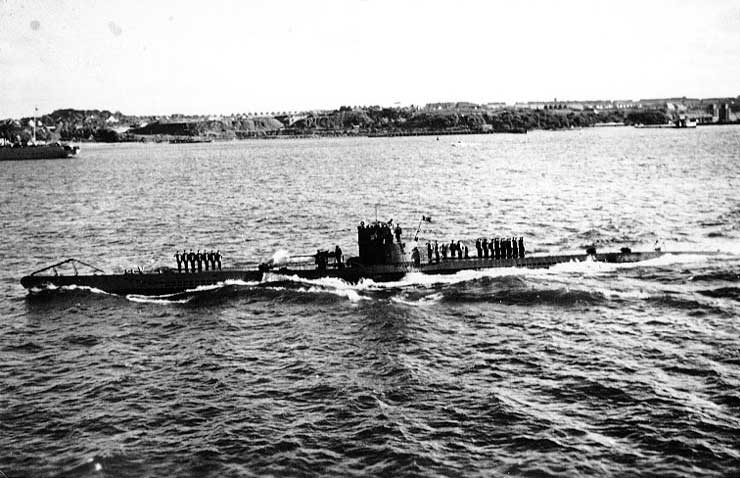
<point x="378" y="245"/>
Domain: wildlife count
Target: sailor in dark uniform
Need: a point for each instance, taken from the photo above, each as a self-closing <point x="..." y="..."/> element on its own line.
<point x="415" y="256"/>
<point x="466" y="251"/>
<point x="436" y="252"/>
<point x="514" y="248"/>
<point x="497" y="248"/>
<point x="191" y="258"/>
<point x="218" y="259"/>
<point x="521" y="246"/>
<point x="490" y="248"/>
<point x="205" y="259"/>
<point x="338" y="256"/>
<point x="179" y="261"/>
<point x="398" y="232"/>
<point x="484" y="245"/>
<point x="429" y="251"/>
<point x="212" y="259"/>
<point x="478" y="247"/>
<point x="199" y="258"/>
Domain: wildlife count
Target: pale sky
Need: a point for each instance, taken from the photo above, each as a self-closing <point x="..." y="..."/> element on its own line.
<point x="160" y="57"/>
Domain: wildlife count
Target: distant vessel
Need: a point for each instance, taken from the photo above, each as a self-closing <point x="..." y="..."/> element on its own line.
<point x="190" y="140"/>
<point x="40" y="151"/>
<point x="681" y="121"/>
<point x="684" y="122"/>
<point x="381" y="259"/>
<point x="34" y="150"/>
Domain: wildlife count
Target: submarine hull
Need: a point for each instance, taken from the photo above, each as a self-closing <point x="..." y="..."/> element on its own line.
<point x="173" y="282"/>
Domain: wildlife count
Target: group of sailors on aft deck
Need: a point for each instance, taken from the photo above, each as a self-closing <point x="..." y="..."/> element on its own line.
<point x="375" y="237"/>
<point x="197" y="261"/>
<point x="497" y="248"/>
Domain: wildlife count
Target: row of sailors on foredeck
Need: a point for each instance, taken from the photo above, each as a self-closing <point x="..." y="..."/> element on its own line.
<point x="496" y="248"/>
<point x="197" y="261"/>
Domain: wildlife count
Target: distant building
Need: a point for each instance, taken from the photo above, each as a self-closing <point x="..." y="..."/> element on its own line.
<point x="531" y="105"/>
<point x="725" y="113"/>
<point x="495" y="105"/>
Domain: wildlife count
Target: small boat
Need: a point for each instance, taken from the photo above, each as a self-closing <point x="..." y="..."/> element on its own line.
<point x="39" y="151"/>
<point x="35" y="150"/>
<point x="190" y="140"/>
<point x="380" y="259"/>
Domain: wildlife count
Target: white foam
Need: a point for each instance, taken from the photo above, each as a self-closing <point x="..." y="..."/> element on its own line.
<point x="70" y="287"/>
<point x="167" y="298"/>
<point x="331" y="285"/>
<point x="431" y="279"/>
<point x="425" y="300"/>
<point x="240" y="282"/>
<point x="153" y="300"/>
<point x="665" y="260"/>
<point x="349" y="293"/>
<point x="587" y="266"/>
<point x="716" y="244"/>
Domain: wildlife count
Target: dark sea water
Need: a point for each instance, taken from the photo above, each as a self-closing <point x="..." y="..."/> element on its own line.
<point x="578" y="371"/>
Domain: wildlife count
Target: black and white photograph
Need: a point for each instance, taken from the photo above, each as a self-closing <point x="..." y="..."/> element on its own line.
<point x="369" y="238"/>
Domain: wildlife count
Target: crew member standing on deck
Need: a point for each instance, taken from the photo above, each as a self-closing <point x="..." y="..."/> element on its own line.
<point x="478" y="248"/>
<point x="429" y="251"/>
<point x="521" y="246"/>
<point x="199" y="259"/>
<point x="205" y="259"/>
<point x="338" y="256"/>
<point x="436" y="252"/>
<point x="514" y="248"/>
<point x="397" y="231"/>
<point x="497" y="248"/>
<point x="179" y="261"/>
<point x="484" y="245"/>
<point x="191" y="260"/>
<point x="218" y="259"/>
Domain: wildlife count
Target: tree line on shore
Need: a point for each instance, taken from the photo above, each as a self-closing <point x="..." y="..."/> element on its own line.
<point x="107" y="126"/>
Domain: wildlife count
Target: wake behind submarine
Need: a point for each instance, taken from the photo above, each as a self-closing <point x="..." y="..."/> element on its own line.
<point x="383" y="257"/>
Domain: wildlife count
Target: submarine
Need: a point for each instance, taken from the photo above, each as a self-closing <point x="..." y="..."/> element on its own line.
<point x="381" y="259"/>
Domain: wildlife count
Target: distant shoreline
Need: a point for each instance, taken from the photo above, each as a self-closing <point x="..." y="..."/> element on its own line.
<point x="442" y="119"/>
<point x="203" y="141"/>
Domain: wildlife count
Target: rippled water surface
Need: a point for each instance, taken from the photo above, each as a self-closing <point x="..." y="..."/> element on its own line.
<point x="581" y="370"/>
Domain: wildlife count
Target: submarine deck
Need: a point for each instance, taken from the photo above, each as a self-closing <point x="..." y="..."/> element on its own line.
<point x="171" y="281"/>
